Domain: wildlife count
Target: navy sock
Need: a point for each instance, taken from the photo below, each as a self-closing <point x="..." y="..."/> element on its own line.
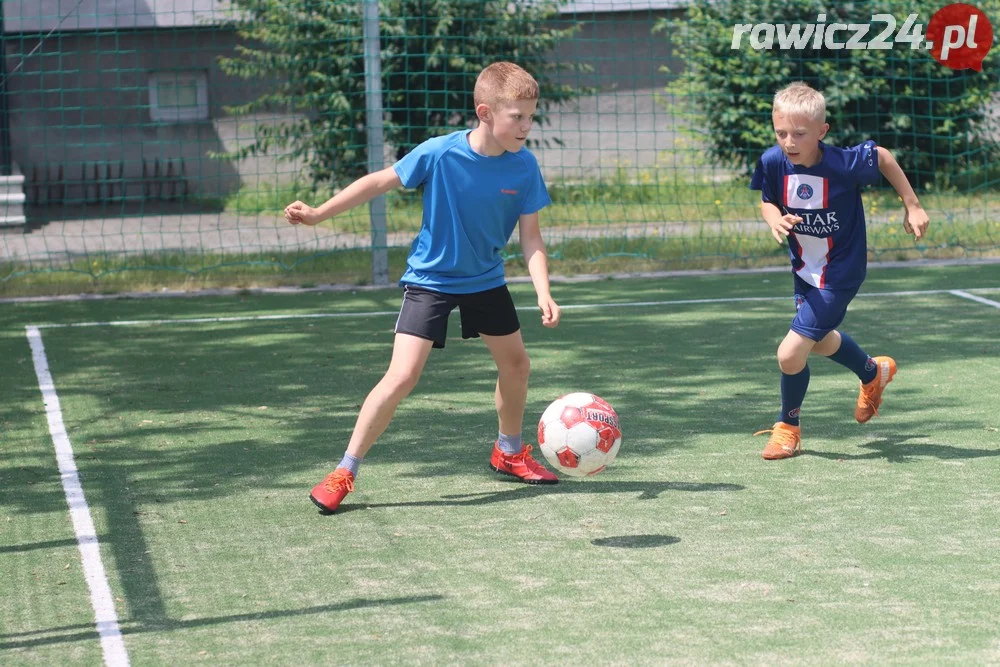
<point x="509" y="444"/>
<point x="351" y="463"/>
<point x="793" y="392"/>
<point x="852" y="356"/>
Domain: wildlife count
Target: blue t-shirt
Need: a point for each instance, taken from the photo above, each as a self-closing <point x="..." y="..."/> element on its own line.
<point x="471" y="204"/>
<point x="829" y="247"/>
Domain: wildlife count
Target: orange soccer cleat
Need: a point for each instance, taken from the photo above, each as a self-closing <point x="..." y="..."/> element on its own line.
<point x="785" y="441"/>
<point x="870" y="397"/>
<point x="521" y="465"/>
<point x="331" y="491"/>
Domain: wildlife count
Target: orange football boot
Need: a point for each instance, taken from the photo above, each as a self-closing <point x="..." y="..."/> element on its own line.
<point x="331" y="491"/>
<point x="870" y="397"/>
<point x="785" y="441"/>
<point x="521" y="465"/>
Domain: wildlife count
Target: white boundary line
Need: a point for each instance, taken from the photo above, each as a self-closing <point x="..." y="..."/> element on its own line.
<point x="101" y="600"/>
<point x="381" y="313"/>
<point x="973" y="297"/>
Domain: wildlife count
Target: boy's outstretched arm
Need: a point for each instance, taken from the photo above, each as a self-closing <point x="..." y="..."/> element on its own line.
<point x="915" y="220"/>
<point x="781" y="225"/>
<point x="533" y="248"/>
<point x="359" y="192"/>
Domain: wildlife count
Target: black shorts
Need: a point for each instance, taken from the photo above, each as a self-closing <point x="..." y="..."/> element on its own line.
<point x="424" y="313"/>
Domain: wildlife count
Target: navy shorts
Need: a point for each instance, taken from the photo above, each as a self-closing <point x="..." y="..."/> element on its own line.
<point x="819" y="310"/>
<point x="424" y="313"/>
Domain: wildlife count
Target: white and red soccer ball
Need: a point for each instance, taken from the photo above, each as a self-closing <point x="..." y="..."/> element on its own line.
<point x="579" y="434"/>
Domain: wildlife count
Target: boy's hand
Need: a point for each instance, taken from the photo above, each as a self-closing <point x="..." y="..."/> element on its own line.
<point x="783" y="226"/>
<point x="299" y="212"/>
<point x="915" y="221"/>
<point x="550" y="311"/>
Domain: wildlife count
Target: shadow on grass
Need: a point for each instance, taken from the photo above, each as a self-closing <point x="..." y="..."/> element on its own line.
<point x="635" y="541"/>
<point x="896" y="449"/>
<point x="30" y="639"/>
<point x="22" y="548"/>
<point x="646" y="491"/>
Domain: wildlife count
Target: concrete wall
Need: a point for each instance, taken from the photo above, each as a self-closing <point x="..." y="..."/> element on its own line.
<point x="620" y="49"/>
<point x="83" y="99"/>
<point x="630" y="125"/>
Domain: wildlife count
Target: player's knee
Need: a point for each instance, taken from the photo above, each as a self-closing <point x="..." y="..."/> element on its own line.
<point x="400" y="384"/>
<point x="789" y="361"/>
<point x="517" y="368"/>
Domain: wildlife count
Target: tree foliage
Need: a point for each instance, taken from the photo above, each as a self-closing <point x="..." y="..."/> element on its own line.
<point x="431" y="53"/>
<point x="937" y="121"/>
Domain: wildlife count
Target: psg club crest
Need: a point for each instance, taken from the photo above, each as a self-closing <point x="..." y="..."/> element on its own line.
<point x="804" y="191"/>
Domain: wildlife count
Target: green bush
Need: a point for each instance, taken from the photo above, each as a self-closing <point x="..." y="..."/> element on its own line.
<point x="432" y="52"/>
<point x="937" y="121"/>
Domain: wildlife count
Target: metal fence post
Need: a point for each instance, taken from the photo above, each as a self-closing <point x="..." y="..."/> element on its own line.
<point x="376" y="140"/>
<point x="5" y="157"/>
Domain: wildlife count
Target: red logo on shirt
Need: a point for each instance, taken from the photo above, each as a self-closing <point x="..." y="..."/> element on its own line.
<point x="505" y="191"/>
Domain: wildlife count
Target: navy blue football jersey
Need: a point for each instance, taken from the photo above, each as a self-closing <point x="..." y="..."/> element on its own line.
<point x="829" y="247"/>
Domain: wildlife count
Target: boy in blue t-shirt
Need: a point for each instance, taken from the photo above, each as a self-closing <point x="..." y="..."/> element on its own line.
<point x="811" y="195"/>
<point x="477" y="186"/>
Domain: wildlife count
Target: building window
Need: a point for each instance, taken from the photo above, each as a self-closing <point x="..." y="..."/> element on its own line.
<point x="176" y="97"/>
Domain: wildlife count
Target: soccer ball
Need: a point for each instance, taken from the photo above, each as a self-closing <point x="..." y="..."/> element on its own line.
<point x="579" y="434"/>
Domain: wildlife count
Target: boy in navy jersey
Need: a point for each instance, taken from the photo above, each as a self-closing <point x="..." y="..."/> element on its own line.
<point x="811" y="195"/>
<point x="477" y="185"/>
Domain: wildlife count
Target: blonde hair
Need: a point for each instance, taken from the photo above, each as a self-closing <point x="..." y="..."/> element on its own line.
<point x="504" y="82"/>
<point x="801" y="99"/>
